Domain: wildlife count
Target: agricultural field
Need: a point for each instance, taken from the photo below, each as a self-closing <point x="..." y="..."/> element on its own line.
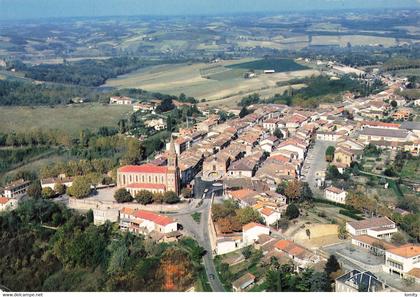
<point x="217" y="83"/>
<point x="69" y="119"/>
<point x="278" y="65"/>
<point x="342" y="40"/>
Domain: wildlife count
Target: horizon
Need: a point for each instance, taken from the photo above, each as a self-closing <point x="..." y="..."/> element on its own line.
<point x="52" y="9"/>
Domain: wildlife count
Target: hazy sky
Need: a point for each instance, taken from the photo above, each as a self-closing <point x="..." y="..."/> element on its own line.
<point x="22" y="9"/>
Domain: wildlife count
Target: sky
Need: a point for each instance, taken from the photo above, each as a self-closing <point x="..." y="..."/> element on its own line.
<point x="29" y="9"/>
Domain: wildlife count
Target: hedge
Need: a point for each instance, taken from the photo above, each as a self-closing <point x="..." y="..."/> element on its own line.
<point x="350" y="214"/>
<point x="348" y="207"/>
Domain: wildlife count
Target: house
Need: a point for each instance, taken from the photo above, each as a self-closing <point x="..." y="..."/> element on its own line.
<point x="335" y="194"/>
<point x="226" y="245"/>
<point x="300" y="255"/>
<point x="269" y="143"/>
<point x="343" y="156"/>
<point x="157" y="124"/>
<point x="144" y="222"/>
<point x="246" y="197"/>
<point x="374" y="245"/>
<point x="381" y="227"/>
<point x="120" y="100"/>
<point x="360" y="281"/>
<point x="144" y="106"/>
<point x="16" y="189"/>
<point x="251" y="231"/>
<point x="367" y="135"/>
<point x="243" y="282"/>
<point x="403" y="114"/>
<point x="242" y="168"/>
<point x="100" y="216"/>
<point x="403" y="261"/>
<point x="329" y="136"/>
<point x="269" y="215"/>
<point x="52" y="181"/>
<point x="8" y="203"/>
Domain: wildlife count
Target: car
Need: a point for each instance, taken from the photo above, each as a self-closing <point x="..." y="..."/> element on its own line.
<point x="211" y="275"/>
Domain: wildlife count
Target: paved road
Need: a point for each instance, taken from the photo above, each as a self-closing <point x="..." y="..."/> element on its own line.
<point x="315" y="161"/>
<point x="200" y="232"/>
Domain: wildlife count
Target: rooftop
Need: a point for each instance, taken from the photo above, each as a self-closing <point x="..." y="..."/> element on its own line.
<point x="371" y="223"/>
<point x="146" y="168"/>
<point x="397" y="133"/>
<point x="406" y="251"/>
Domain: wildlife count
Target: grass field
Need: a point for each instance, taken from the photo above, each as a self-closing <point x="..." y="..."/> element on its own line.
<point x="342" y="40"/>
<point x="278" y="65"/>
<point x="218" y="84"/>
<point x="70" y="119"/>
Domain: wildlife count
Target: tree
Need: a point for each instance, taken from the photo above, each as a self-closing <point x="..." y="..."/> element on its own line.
<point x="342" y="232"/>
<point x="394" y="103"/>
<point x="48" y="193"/>
<point x="398" y="239"/>
<point x="332" y="265"/>
<point x="244" y="112"/>
<point x="144" y="197"/>
<point x="89" y="216"/>
<point x="308" y="233"/>
<point x="247" y="252"/>
<point x="293" y="189"/>
<point x="277" y="132"/>
<point x="59" y="188"/>
<point x="122" y="196"/>
<point x="80" y="187"/>
<point x="34" y="190"/>
<point x="170" y="197"/>
<point x="292" y="211"/>
<point x="306" y="192"/>
<point x="332" y="173"/>
<point x="225" y="225"/>
<point x="329" y="153"/>
<point x="248" y="214"/>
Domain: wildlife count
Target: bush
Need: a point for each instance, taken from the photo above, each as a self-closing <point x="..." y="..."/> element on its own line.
<point x="48" y="193"/>
<point x="292" y="211"/>
<point x="144" y="197"/>
<point x="122" y="195"/>
<point x="170" y="197"/>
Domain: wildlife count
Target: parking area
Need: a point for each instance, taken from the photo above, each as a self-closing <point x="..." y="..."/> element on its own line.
<point x="315" y="161"/>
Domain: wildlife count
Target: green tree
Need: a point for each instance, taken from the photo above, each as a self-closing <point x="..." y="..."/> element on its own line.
<point x="398" y="239"/>
<point x="248" y="214"/>
<point x="277" y="132"/>
<point x="244" y="112"/>
<point x="122" y="196"/>
<point x="329" y="153"/>
<point x="34" y="190"/>
<point x="342" y="232"/>
<point x="144" y="197"/>
<point x="170" y="197"/>
<point x="48" y="193"/>
<point x="247" y="252"/>
<point x="332" y="265"/>
<point x="59" y="188"/>
<point x="80" y="187"/>
<point x="292" y="211"/>
<point x="89" y="216"/>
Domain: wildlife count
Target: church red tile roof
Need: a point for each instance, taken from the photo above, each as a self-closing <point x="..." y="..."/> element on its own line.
<point x="146" y="168"/>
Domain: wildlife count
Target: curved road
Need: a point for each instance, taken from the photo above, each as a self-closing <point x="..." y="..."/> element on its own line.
<point x="200" y="232"/>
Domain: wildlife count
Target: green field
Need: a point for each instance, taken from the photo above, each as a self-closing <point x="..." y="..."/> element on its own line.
<point x="69" y="119"/>
<point x="279" y="65"/>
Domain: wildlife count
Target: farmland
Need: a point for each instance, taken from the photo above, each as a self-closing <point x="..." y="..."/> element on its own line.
<point x="278" y="65"/>
<point x="221" y="83"/>
<point x="69" y="119"/>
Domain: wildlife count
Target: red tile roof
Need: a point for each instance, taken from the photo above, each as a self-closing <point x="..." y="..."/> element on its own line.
<point x="151" y="216"/>
<point x="252" y="225"/>
<point x="146" y="168"/>
<point x="146" y="186"/>
<point x="4" y="200"/>
<point x="406" y="251"/>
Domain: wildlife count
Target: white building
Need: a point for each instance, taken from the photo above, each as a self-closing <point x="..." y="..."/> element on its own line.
<point x="376" y="227"/>
<point x="403" y="261"/>
<point x="144" y="222"/>
<point x="16" y="189"/>
<point x="100" y="216"/>
<point x="120" y="100"/>
<point x="335" y="194"/>
<point x="50" y="182"/>
<point x="251" y="231"/>
<point x="270" y="215"/>
<point x="7" y="204"/>
<point x="226" y="245"/>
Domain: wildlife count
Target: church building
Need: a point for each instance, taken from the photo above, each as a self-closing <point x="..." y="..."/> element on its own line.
<point x="153" y="178"/>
